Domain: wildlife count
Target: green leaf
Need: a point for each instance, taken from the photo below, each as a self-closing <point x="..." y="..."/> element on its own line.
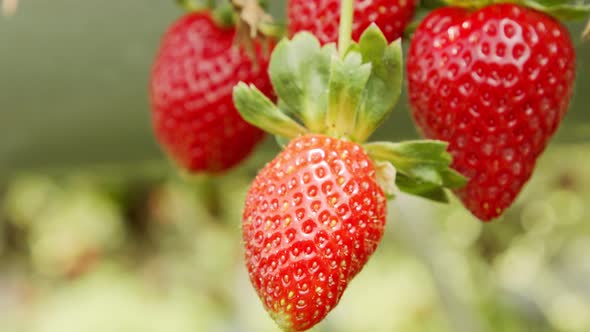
<point x="384" y="86"/>
<point x="427" y="174"/>
<point x="410" y="154"/>
<point x="561" y="9"/>
<point x="551" y="2"/>
<point x="423" y="166"/>
<point x="300" y="72"/>
<point x="422" y="189"/>
<point x="258" y="110"/>
<point x="347" y="83"/>
<point x="282" y="141"/>
<point x="453" y="179"/>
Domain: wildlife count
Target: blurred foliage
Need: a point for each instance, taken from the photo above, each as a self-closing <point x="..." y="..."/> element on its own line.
<point x="98" y="233"/>
<point x="93" y="251"/>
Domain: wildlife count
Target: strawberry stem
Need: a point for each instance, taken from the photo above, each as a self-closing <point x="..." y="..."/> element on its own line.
<point x="196" y="6"/>
<point x="345" y="31"/>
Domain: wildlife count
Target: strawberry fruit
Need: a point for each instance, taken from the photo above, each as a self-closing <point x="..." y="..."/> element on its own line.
<point x="313" y="217"/>
<point x="495" y="84"/>
<point x="194" y="118"/>
<point x="321" y="17"/>
<point x="316" y="213"/>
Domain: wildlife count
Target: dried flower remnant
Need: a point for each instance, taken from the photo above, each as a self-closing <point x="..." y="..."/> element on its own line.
<point x="9" y="7"/>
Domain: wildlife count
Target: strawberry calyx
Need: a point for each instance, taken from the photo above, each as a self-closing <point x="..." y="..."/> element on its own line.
<point x="248" y="15"/>
<point x="565" y="10"/>
<point x="423" y="167"/>
<point x="253" y="17"/>
<point x="252" y="23"/>
<point x="347" y="95"/>
<point x="222" y="14"/>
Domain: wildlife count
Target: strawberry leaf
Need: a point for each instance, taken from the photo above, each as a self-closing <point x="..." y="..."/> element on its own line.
<point x="423" y="166"/>
<point x="348" y="78"/>
<point x="383" y="88"/>
<point x="453" y="179"/>
<point x="300" y="72"/>
<point x="560" y="9"/>
<point x="258" y="110"/>
<point x="412" y="154"/>
<point x="422" y="189"/>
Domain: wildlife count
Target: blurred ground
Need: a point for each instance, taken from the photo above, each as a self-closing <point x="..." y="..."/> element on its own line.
<point x="102" y="252"/>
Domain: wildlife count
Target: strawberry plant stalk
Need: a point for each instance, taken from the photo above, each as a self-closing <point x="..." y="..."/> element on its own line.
<point x="345" y="32"/>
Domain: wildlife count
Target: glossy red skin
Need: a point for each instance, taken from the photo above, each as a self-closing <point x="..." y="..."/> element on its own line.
<point x="194" y="117"/>
<point x="322" y="17"/>
<point x="312" y="218"/>
<point x="495" y="84"/>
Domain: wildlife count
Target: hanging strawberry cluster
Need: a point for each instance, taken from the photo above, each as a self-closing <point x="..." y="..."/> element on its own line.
<point x="489" y="82"/>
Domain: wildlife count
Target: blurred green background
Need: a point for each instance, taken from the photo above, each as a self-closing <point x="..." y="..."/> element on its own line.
<point x="73" y="83"/>
<point x="99" y="233"/>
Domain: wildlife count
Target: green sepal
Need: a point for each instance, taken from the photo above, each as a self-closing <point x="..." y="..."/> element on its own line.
<point x="423" y="166"/>
<point x="422" y="189"/>
<point x="566" y="10"/>
<point x="223" y="14"/>
<point x="300" y="72"/>
<point x="348" y="79"/>
<point x="561" y="9"/>
<point x="452" y="179"/>
<point x="383" y="89"/>
<point x="282" y="141"/>
<point x="259" y="111"/>
<point x="411" y="154"/>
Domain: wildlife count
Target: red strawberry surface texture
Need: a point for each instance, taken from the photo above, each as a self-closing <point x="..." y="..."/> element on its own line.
<point x="322" y="17"/>
<point x="312" y="218"/>
<point x="191" y="95"/>
<point x="495" y="84"/>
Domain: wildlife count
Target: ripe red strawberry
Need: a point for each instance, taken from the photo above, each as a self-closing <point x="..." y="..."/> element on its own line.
<point x="322" y="17"/>
<point x="191" y="94"/>
<point x="313" y="216"/>
<point x="495" y="83"/>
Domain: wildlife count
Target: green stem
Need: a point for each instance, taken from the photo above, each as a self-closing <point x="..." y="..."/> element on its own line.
<point x="472" y="4"/>
<point x="211" y="195"/>
<point x="196" y="6"/>
<point x="345" y="31"/>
